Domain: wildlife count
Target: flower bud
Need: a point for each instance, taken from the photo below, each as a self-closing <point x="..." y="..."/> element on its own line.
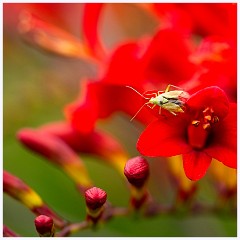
<point x="7" y="232"/>
<point x="95" y="142"/>
<point x="57" y="152"/>
<point x="137" y="171"/>
<point x="44" y="226"/>
<point x="19" y="190"/>
<point x="95" y="199"/>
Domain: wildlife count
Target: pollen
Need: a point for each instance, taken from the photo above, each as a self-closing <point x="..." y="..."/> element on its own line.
<point x="206" y="126"/>
<point x="215" y="119"/>
<point x="206" y="119"/>
<point x="195" y="123"/>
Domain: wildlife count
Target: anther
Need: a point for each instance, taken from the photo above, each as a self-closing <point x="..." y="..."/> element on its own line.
<point x="206" y="126"/>
<point x="215" y="119"/>
<point x="207" y="118"/>
<point x="195" y="123"/>
<point x="206" y="110"/>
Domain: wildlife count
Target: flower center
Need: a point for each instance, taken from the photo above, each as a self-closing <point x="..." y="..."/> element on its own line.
<point x="199" y="129"/>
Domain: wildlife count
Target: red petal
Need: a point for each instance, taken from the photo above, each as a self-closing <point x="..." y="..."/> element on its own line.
<point x="162" y="139"/>
<point x="100" y="101"/>
<point x="195" y="164"/>
<point x="223" y="145"/>
<point x="201" y="18"/>
<point x="171" y="14"/>
<point x="212" y="18"/>
<point x="49" y="146"/>
<point x="213" y="97"/>
<point x="167" y="58"/>
<point x="123" y="67"/>
<point x="91" y="17"/>
<point x="84" y="112"/>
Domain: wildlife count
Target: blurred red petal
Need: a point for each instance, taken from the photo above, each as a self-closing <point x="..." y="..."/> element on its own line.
<point x="212" y="18"/>
<point x="123" y="67"/>
<point x="162" y="139"/>
<point x="84" y="111"/>
<point x="99" y="101"/>
<point x="98" y="143"/>
<point x="172" y="15"/>
<point x="91" y="18"/>
<point x="199" y="18"/>
<point x="224" y="143"/>
<point x="195" y="164"/>
<point x="51" y="38"/>
<point x="167" y="58"/>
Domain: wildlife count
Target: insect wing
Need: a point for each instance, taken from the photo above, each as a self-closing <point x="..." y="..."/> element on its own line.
<point x="176" y="101"/>
<point x="184" y="96"/>
<point x="172" y="94"/>
<point x="178" y="95"/>
<point x="173" y="106"/>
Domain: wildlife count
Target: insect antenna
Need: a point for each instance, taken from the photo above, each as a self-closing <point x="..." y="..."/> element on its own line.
<point x="139" y="110"/>
<point x="137" y="92"/>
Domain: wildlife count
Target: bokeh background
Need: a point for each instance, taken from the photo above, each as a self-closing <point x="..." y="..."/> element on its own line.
<point x="36" y="87"/>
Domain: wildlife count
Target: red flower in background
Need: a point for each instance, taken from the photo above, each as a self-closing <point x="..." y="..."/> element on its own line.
<point x="216" y="62"/>
<point x="199" y="18"/>
<point x="208" y="130"/>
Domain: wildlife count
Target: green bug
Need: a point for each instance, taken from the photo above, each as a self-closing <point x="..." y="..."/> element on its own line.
<point x="172" y="101"/>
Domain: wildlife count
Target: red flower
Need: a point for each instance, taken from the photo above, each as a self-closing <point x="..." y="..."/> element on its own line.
<point x="143" y="65"/>
<point x="99" y="99"/>
<point x="206" y="131"/>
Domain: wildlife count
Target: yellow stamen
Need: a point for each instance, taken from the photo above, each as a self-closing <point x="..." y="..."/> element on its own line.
<point x="195" y="123"/>
<point x="206" y="126"/>
<point x="207" y="118"/>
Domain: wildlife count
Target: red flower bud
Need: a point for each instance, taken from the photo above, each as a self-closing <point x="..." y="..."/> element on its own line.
<point x="95" y="198"/>
<point x="137" y="171"/>
<point x="44" y="226"/>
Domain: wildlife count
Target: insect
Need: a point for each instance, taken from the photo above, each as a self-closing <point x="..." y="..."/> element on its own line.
<point x="172" y="101"/>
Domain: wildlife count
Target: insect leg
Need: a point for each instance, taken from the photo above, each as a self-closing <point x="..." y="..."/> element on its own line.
<point x="149" y="94"/>
<point x="137" y="92"/>
<point x="170" y="85"/>
<point x="139" y="110"/>
<point x="173" y="113"/>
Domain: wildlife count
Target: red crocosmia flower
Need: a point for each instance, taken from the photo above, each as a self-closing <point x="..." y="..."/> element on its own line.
<point x="206" y="131"/>
<point x="99" y="99"/>
<point x="144" y="65"/>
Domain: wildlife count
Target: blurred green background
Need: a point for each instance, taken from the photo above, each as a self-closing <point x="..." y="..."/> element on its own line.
<point x="36" y="87"/>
